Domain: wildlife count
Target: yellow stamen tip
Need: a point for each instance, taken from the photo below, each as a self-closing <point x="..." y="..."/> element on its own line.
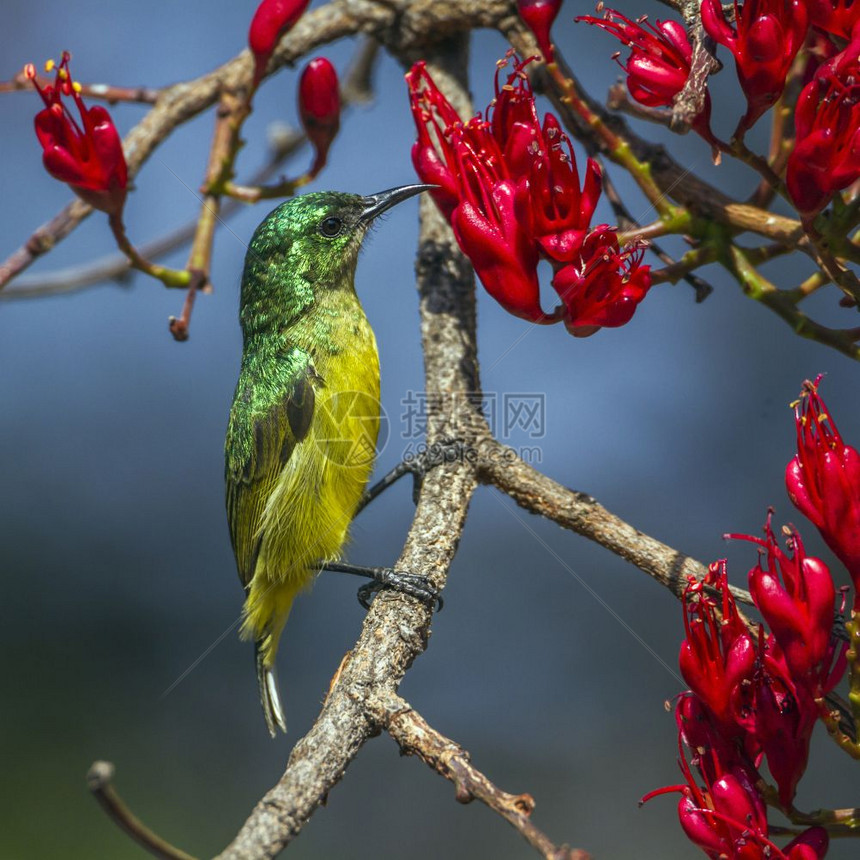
<point x="50" y="65"/>
<point x="63" y="74"/>
<point x="76" y="86"/>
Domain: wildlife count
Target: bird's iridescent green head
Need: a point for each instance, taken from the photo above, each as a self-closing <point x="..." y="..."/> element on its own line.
<point x="307" y="245"/>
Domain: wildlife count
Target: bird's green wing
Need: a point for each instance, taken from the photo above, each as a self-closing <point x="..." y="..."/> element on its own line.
<point x="268" y="419"/>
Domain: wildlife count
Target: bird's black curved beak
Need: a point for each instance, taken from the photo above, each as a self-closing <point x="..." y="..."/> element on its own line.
<point x="376" y="204"/>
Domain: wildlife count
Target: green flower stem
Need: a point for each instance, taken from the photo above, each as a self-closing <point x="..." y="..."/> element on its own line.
<point x="831" y="722"/>
<point x="743" y="153"/>
<point x="814" y="282"/>
<point x="837" y="822"/>
<point x="691" y="261"/>
<point x="176" y="278"/>
<point x="783" y="303"/>
<point x="231" y="114"/>
<point x="853" y="655"/>
<point x="253" y="193"/>
<point x="616" y="147"/>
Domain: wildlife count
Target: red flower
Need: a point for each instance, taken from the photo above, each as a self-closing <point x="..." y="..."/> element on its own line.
<point x="659" y="61"/>
<point x="432" y="153"/>
<point x="782" y="718"/>
<point x="726" y="817"/>
<point x="717" y="657"/>
<point x="766" y="36"/>
<point x="826" y="155"/>
<point x="88" y="156"/>
<point x="511" y="190"/>
<point x="795" y="596"/>
<point x="319" y="107"/>
<point x="539" y="16"/>
<point x="560" y="213"/>
<point x="836" y="16"/>
<point x="272" y="19"/>
<point x="823" y="480"/>
<point x="604" y="285"/>
<point x="492" y="237"/>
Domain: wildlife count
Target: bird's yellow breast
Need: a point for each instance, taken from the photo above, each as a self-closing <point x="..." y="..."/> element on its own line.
<point x="307" y="515"/>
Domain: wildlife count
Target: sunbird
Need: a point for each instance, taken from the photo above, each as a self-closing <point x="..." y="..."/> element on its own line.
<point x="303" y="426"/>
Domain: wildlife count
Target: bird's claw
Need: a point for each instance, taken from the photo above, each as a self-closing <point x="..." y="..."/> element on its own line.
<point x="429" y="458"/>
<point x="412" y="584"/>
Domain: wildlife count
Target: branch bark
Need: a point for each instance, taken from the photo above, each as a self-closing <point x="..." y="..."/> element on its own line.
<point x="416" y="737"/>
<point x="579" y="512"/>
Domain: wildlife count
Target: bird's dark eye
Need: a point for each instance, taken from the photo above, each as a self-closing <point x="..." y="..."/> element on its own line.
<point x="331" y="226"/>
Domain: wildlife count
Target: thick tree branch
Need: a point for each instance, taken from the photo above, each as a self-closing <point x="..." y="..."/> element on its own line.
<point x="416" y="737"/>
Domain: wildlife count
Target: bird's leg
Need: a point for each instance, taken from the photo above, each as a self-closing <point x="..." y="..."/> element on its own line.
<point x="386" y="577"/>
<point x="418" y="466"/>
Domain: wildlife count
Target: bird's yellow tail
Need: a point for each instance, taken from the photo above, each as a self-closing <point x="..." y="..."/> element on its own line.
<point x="266" y="612"/>
<point x="270" y="697"/>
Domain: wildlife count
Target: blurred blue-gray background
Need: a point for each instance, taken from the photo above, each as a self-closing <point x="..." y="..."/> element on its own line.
<point x="118" y="575"/>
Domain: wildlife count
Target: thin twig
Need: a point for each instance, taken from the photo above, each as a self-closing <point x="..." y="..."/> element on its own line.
<point x="690" y="101"/>
<point x="416" y="737"/>
<point x="579" y="512"/>
<point x="105" y="92"/>
<point x="783" y="303"/>
<point x="100" y="782"/>
<point x="284" y="143"/>
<point x="629" y="224"/>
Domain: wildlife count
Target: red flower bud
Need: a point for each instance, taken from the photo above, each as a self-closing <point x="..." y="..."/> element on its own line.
<point x="823" y="480"/>
<point x="826" y="154"/>
<point x="795" y="595"/>
<point x="272" y="19"/>
<point x="319" y="107"/>
<point x="812" y="844"/>
<point x="88" y="156"/>
<point x="604" y="285"/>
<point x="766" y="36"/>
<point x="717" y="657"/>
<point x="560" y="213"/>
<point x="539" y="16"/>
